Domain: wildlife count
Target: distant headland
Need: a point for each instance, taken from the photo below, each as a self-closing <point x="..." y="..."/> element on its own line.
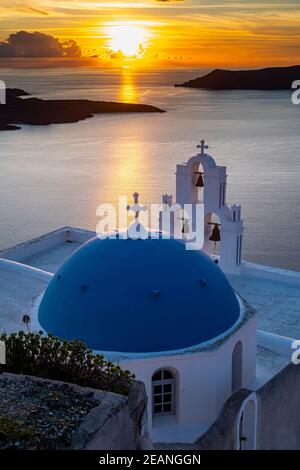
<point x="275" y="78"/>
<point x="35" y="111"/>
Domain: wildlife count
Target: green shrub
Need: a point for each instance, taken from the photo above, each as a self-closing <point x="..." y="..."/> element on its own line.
<point x="12" y="430"/>
<point x="70" y="361"/>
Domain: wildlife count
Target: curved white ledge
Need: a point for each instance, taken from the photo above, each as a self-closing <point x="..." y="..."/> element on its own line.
<point x="25" y="269"/>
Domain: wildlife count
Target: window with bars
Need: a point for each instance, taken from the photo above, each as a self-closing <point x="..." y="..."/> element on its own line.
<point x="163" y="392"/>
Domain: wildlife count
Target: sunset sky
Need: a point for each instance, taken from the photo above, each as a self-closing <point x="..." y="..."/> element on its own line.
<point x="162" y="32"/>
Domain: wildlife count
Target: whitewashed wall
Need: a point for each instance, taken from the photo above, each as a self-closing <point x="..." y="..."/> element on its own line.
<point x="203" y="378"/>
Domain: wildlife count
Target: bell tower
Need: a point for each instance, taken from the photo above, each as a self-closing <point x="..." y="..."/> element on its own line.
<point x="202" y="172"/>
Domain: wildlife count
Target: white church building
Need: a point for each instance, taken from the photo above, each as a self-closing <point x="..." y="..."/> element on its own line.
<point x="207" y="332"/>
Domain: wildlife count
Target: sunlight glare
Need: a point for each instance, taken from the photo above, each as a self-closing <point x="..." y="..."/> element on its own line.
<point x="127" y="40"/>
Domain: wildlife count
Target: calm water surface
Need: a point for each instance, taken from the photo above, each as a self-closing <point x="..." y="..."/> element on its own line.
<point x="57" y="175"/>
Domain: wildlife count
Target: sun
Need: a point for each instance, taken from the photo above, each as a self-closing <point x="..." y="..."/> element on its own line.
<point x="126" y="39"/>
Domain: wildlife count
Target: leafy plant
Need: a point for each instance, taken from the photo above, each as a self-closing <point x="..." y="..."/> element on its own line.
<point x="70" y="361"/>
<point x="12" y="430"/>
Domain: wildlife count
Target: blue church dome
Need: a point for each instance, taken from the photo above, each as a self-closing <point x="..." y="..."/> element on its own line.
<point x="138" y="296"/>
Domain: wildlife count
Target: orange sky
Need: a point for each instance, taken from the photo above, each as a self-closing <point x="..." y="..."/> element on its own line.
<point x="165" y="33"/>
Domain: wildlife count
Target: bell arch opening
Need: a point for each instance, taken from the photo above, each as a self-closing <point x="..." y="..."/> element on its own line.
<point x="212" y="235"/>
<point x="198" y="182"/>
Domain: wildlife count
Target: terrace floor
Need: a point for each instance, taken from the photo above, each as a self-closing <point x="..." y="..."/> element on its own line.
<point x="277" y="303"/>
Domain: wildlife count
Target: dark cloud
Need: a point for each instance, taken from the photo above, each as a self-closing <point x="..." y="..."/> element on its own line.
<point x="25" y="44"/>
<point x="36" y="10"/>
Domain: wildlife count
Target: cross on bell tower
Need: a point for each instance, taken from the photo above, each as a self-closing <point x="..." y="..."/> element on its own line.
<point x="136" y="207"/>
<point x="136" y="230"/>
<point x="202" y="146"/>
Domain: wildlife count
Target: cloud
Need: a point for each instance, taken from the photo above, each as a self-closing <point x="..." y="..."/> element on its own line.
<point x="25" y="44"/>
<point x="120" y="54"/>
<point x="34" y="10"/>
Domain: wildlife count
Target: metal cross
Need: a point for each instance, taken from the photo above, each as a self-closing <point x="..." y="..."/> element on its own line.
<point x="202" y="146"/>
<point x="136" y="207"/>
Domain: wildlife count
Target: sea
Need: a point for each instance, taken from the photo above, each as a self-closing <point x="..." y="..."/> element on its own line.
<point x="57" y="175"/>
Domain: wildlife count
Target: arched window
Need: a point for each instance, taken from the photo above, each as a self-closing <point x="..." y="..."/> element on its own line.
<point x="163" y="392"/>
<point x="237" y="367"/>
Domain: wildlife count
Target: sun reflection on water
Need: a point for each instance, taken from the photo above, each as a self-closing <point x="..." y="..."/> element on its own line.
<point x="128" y="92"/>
<point x="128" y="165"/>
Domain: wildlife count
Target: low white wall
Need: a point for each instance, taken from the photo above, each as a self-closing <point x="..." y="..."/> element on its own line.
<point x="35" y="273"/>
<point x="45" y="242"/>
<point x="80" y="235"/>
<point x="24" y="250"/>
<point x="276" y="343"/>
<point x="268" y="272"/>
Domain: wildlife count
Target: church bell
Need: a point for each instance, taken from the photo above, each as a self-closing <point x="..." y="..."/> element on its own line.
<point x="199" y="182"/>
<point x="215" y="234"/>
